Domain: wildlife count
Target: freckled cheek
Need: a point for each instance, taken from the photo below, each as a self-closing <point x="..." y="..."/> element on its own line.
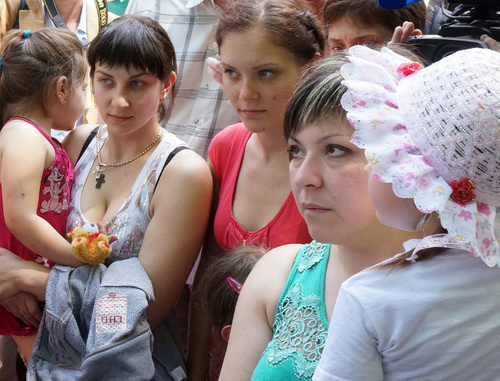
<point x="232" y="92"/>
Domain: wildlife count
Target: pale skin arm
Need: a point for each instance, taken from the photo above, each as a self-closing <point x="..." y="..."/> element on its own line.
<point x="254" y="315"/>
<point x="21" y="282"/>
<point x="24" y="155"/>
<point x="200" y="333"/>
<point x="173" y="239"/>
<point x="18" y="275"/>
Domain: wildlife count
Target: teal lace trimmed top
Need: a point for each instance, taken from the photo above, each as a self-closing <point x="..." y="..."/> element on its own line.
<point x="300" y="324"/>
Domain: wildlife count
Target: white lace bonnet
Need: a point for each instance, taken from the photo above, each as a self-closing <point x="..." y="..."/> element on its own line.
<point x="434" y="133"/>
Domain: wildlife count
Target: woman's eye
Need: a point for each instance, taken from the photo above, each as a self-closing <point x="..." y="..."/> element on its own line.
<point x="336" y="48"/>
<point x="230" y="73"/>
<point x="136" y="83"/>
<point x="294" y="152"/>
<point x="105" y="81"/>
<point x="265" y="73"/>
<point x="370" y="44"/>
<point x="335" y="151"/>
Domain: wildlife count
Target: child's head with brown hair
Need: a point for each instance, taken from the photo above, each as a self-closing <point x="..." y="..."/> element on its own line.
<point x="223" y="280"/>
<point x="32" y="63"/>
<point x="220" y="289"/>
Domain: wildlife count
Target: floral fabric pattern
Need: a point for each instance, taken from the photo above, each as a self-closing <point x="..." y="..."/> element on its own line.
<point x="371" y="103"/>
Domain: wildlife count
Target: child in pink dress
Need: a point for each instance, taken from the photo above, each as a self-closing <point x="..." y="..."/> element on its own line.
<point x="42" y="77"/>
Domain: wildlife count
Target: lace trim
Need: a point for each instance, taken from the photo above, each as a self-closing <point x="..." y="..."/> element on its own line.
<point x="298" y="333"/>
<point x="313" y="254"/>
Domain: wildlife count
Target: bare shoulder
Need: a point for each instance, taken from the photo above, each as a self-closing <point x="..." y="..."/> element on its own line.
<point x="275" y="265"/>
<point x="187" y="166"/>
<point x="73" y="142"/>
<point x="283" y="255"/>
<point x="188" y="182"/>
<point x="18" y="135"/>
<point x="267" y="279"/>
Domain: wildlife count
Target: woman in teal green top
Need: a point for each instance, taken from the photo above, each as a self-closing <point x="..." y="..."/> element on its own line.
<point x="300" y="322"/>
<point x="280" y="323"/>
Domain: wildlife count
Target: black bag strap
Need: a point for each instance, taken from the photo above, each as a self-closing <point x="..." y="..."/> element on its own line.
<point x="50" y="5"/>
<point x="54" y="13"/>
<point x="22" y="7"/>
<point x="87" y="142"/>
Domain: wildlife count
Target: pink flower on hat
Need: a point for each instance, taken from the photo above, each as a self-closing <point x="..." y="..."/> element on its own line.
<point x="409" y="68"/>
<point x="487" y="242"/>
<point x="463" y="191"/>
<point x="466" y="215"/>
<point x="483" y="208"/>
<point x="410" y="141"/>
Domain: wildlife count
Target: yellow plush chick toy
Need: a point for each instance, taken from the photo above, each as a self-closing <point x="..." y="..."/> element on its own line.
<point x="88" y="245"/>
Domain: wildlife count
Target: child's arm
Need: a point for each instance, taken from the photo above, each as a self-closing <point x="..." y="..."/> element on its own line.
<point x="24" y="155"/>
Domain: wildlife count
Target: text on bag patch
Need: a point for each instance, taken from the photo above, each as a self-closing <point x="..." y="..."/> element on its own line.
<point x="111" y="313"/>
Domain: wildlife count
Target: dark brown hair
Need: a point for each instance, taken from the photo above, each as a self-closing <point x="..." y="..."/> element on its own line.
<point x="290" y="24"/>
<point x="216" y="291"/>
<point x="135" y="41"/>
<point x="220" y="298"/>
<point x="317" y="95"/>
<point x="369" y="13"/>
<point x="32" y="63"/>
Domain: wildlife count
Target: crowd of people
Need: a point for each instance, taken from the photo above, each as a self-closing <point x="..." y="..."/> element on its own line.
<point x="289" y="190"/>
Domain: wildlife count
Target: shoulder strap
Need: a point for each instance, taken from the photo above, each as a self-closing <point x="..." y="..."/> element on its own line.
<point x="54" y="13"/>
<point x="87" y="142"/>
<point x="102" y="11"/>
<point x="22" y="6"/>
<point x="169" y="158"/>
<point x="101" y="7"/>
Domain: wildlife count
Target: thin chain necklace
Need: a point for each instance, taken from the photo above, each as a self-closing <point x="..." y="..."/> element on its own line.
<point x="103" y="167"/>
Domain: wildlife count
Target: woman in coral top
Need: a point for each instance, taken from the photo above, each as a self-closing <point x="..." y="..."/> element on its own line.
<point x="264" y="47"/>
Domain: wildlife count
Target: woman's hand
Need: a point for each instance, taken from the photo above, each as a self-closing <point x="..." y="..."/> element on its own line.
<point x="18" y="275"/>
<point x="10" y="265"/>
<point x="214" y="69"/>
<point x="102" y="230"/>
<point x="404" y="32"/>
<point x="492" y="44"/>
<point x="24" y="306"/>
